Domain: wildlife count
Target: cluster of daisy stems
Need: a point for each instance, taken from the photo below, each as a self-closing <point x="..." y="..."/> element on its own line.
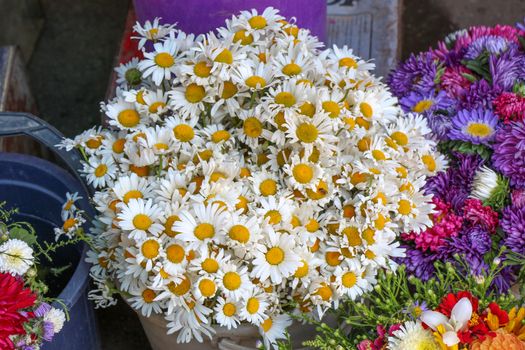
<point x="27" y="319"/>
<point x="249" y="176"/>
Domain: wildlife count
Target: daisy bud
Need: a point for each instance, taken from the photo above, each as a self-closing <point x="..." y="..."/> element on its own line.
<point x="133" y="76"/>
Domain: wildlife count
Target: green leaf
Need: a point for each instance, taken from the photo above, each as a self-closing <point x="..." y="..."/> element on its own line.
<point x="22" y="234"/>
<point x="522" y="41"/>
<point x="465" y="147"/>
<point x="469" y="77"/>
<point x="56" y="271"/>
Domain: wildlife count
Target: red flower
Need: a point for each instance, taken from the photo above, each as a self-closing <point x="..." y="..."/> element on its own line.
<point x="14" y="298"/>
<point x="450" y="300"/>
<point x="502" y="315"/>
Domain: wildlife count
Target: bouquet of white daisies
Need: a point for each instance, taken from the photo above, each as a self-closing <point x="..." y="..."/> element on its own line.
<point x="248" y="175"/>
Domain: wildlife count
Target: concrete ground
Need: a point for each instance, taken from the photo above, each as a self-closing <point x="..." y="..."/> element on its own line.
<point x="71" y="62"/>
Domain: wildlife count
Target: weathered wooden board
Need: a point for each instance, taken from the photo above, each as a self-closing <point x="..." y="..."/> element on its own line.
<point x="370" y="27"/>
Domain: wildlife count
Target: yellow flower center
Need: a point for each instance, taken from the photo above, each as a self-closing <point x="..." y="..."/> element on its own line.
<point x="148" y="295"/>
<point x="332" y="108"/>
<point x="150" y="249"/>
<point x="220" y="135"/>
<point x="347" y="62"/>
<point x="204" y="231"/>
<point x="101" y="170"/>
<point x="128" y="118"/>
<point x="378" y="154"/>
<point x="239" y="233"/>
<point x="94" y="142"/>
<point x="210" y="265"/>
<point x="368" y="236"/>
<point x="422" y="106"/>
<point x="175" y="253"/>
<point x="275" y="256"/>
<point x="262" y="57"/>
<point x="268" y="187"/>
<point x="280" y="121"/>
<point x="164" y="60"/>
<point x="153" y="32"/>
<point x="302" y="270"/>
<point x="366" y="110"/>
<point x="133" y="194"/>
<point x="195" y="93"/>
<point x="229" y="90"/>
<point x="324" y="292"/>
<point x="312" y="225"/>
<point x="274" y="216"/>
<point x="68" y="224"/>
<point x="252" y="306"/>
<point x="267" y="325"/>
<point x="320" y="191"/>
<point x="364" y="144"/>
<point x="400" y="138"/>
<point x="349" y="279"/>
<point x="284" y="98"/>
<point x="307" y="109"/>
<point x="231" y="280"/>
<point x="207" y="287"/>
<point x="168" y="225"/>
<point x="224" y="57"/>
<point x="156" y="106"/>
<point x="380" y="222"/>
<point x="303" y="173"/>
<point x="242" y="203"/>
<point x="182" y="288"/>
<point x="479" y="129"/>
<point x="242" y="37"/>
<point x="252" y="127"/>
<point x="142" y="222"/>
<point x="291" y="69"/>
<point x="352" y="235"/>
<point x="332" y="258"/>
<point x="404" y="207"/>
<point x="118" y="146"/>
<point x="229" y="309"/>
<point x="257" y="22"/>
<point x="307" y="132"/>
<point x="183" y="132"/>
<point x="255" y="82"/>
<point x="429" y="162"/>
<point x="139" y="170"/>
<point x="202" y="69"/>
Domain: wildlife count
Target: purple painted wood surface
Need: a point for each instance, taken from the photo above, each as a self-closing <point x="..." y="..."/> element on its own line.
<point x="201" y="16"/>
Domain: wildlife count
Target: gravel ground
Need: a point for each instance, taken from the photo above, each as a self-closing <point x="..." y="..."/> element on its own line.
<point x="70" y="66"/>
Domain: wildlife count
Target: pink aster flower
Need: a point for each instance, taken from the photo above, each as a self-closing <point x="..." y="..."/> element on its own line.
<point x="478" y="214"/>
<point x="509" y="107"/>
<point x="446" y="224"/>
<point x="453" y="82"/>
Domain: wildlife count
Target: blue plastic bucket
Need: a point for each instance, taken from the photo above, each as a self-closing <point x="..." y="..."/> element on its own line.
<point x="38" y="189"/>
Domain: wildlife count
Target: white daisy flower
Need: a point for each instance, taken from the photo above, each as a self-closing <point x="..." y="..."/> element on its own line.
<point x="227" y="313"/>
<point x="274" y="328"/>
<point x="160" y="64"/>
<point x="16" y="257"/>
<point x="151" y="31"/>
<point x="140" y="217"/>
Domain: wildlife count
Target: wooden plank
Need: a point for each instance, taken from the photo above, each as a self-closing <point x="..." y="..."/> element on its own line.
<point x="370" y="27"/>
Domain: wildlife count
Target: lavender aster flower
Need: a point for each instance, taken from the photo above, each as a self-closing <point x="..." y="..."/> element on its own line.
<point x="427" y="103"/>
<point x="506" y="69"/>
<point x="513" y="224"/>
<point x="48" y="331"/>
<point x="491" y="43"/>
<point x="476" y="126"/>
<point x="480" y="95"/>
<point x="42" y="309"/>
<point x="418" y="263"/>
<point x="416" y="73"/>
<point x="509" y="153"/>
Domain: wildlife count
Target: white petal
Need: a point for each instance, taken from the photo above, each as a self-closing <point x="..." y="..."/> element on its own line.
<point x="450" y="338"/>
<point x="433" y="319"/>
<point x="461" y="313"/>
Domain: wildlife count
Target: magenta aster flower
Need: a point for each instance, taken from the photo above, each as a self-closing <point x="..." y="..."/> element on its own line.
<point x="518" y="197"/>
<point x="509" y="153"/>
<point x="509" y="107"/>
<point x="476" y="126"/>
<point x="478" y="214"/>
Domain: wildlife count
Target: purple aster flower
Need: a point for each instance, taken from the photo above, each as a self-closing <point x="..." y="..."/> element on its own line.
<point x="440" y="125"/>
<point x="509" y="153"/>
<point x="48" y="331"/>
<point x="418" y="263"/>
<point x="521" y="25"/>
<point x="416" y="73"/>
<point x="42" y="309"/>
<point x="513" y="224"/>
<point x="506" y="69"/>
<point x="416" y="309"/>
<point x="475" y="126"/>
<point x="490" y="43"/>
<point x="473" y="243"/>
<point x="480" y="95"/>
<point x="427" y="103"/>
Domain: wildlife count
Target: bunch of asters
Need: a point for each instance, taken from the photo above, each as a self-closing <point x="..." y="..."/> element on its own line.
<point x="470" y="91"/>
<point x="247" y="174"/>
<point x="27" y="320"/>
<point x="453" y="311"/>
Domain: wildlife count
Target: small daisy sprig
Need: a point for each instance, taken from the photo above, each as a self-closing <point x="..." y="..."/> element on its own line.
<point x="249" y="175"/>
